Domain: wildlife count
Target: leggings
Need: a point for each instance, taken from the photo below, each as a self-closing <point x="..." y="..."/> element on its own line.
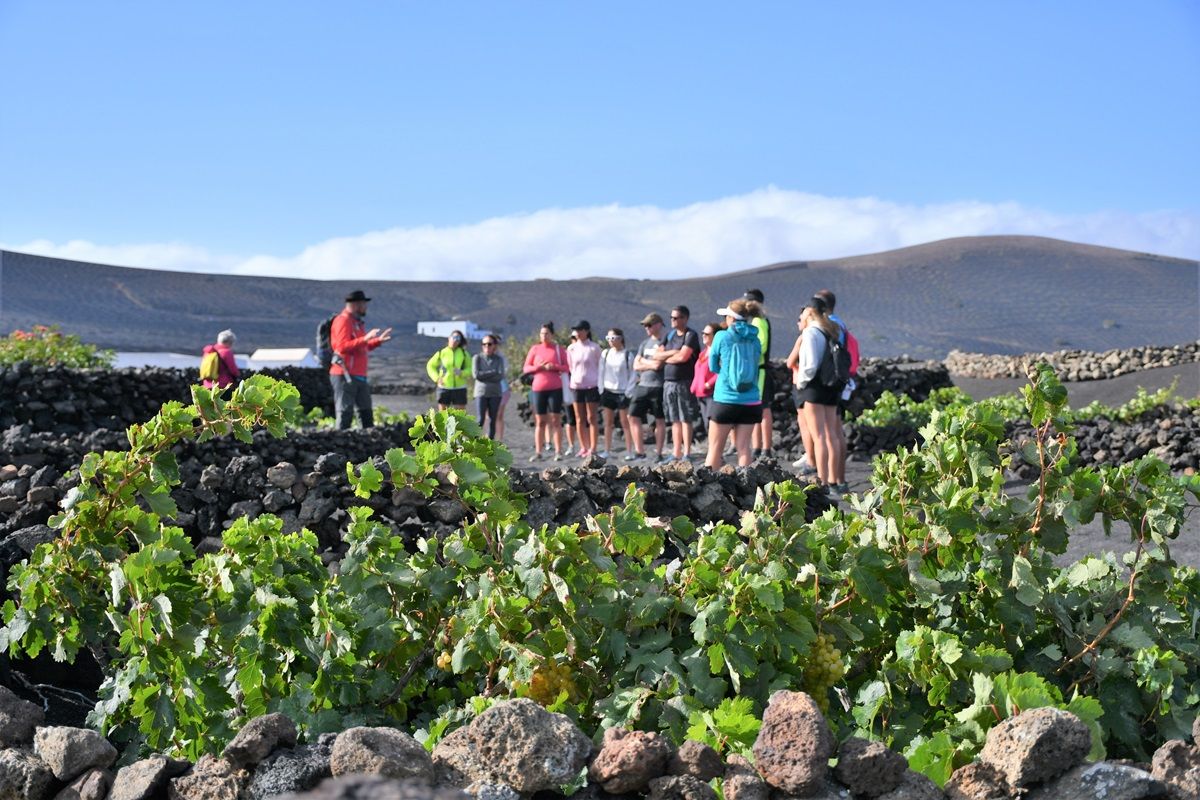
<point x="488" y="407"/>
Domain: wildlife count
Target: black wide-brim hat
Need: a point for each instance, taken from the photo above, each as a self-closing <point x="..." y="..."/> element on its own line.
<point x="357" y="296"/>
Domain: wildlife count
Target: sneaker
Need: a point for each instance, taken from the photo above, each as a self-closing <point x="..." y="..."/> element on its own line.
<point x="567" y="450"/>
<point x="558" y="456"/>
<point x="602" y="454"/>
<point x="802" y="464"/>
<point x="535" y="457"/>
<point x="633" y="456"/>
<point x="756" y="452"/>
<point x="583" y="453"/>
<point x="842" y="488"/>
<point x="661" y="459"/>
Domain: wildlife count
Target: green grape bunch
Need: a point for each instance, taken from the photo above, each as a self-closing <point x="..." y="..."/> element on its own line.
<point x="824" y="669"/>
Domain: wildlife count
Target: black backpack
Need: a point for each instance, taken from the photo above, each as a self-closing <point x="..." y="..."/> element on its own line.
<point x="324" y="345"/>
<point x="834" y="371"/>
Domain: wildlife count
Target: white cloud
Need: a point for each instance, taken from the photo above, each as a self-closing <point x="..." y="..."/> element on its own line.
<point x="707" y="238"/>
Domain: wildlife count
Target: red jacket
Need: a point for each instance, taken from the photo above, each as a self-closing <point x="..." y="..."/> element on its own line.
<point x="227" y="368"/>
<point x="348" y="338"/>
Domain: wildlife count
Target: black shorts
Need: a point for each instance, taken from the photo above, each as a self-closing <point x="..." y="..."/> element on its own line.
<point x="614" y="400"/>
<point x="735" y="413"/>
<point x="591" y="395"/>
<point x="646" y="401"/>
<point x="547" y="402"/>
<point x="821" y="395"/>
<point x="452" y="397"/>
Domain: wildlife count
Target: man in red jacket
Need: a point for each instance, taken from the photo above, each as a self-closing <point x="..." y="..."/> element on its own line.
<point x="351" y="341"/>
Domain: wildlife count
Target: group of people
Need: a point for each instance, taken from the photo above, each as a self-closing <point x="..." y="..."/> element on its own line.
<point x="675" y="378"/>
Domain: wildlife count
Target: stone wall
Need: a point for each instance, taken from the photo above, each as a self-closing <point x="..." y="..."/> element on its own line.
<point x="1073" y="365"/>
<point x="518" y="749"/>
<point x="70" y="400"/>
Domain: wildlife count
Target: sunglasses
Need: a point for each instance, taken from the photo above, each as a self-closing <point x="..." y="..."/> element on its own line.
<point x="612" y="338"/>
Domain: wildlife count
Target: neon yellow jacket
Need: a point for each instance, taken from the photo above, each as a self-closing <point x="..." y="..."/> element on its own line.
<point x="442" y="364"/>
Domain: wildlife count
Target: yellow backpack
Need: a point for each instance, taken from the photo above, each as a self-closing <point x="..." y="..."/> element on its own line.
<point x="210" y="366"/>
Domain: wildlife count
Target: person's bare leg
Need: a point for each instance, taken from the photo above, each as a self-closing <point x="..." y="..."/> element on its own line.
<point x="806" y="437"/>
<point x="817" y="456"/>
<point x="626" y="428"/>
<point x="593" y="431"/>
<point x="660" y="435"/>
<point x="717" y="436"/>
<point x="635" y="424"/>
<point x="608" y="429"/>
<point x="765" y="436"/>
<point x="540" y="429"/>
<point x="742" y="436"/>
<point x="839" y="445"/>
<point x="556" y="432"/>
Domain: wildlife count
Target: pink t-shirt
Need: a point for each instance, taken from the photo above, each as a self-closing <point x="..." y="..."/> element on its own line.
<point x="584" y="360"/>
<point x="545" y="380"/>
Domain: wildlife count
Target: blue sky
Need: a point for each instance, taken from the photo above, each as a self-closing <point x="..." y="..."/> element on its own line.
<point x="475" y="140"/>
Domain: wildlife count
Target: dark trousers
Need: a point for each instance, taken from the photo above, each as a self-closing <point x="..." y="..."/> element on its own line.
<point x="488" y="407"/>
<point x="349" y="395"/>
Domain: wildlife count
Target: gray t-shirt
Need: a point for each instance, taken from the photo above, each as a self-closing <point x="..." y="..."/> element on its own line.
<point x="650" y="378"/>
<point x="488" y="371"/>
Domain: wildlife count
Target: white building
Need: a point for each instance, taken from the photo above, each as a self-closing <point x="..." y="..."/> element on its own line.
<point x="267" y="357"/>
<point x="443" y="328"/>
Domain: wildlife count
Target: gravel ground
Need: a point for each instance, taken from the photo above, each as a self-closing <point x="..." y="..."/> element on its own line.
<point x="1086" y="539"/>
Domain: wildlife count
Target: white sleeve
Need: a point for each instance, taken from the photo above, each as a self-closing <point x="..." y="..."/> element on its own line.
<point x="812" y="350"/>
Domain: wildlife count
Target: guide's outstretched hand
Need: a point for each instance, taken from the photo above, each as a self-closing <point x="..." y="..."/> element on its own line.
<point x="381" y="336"/>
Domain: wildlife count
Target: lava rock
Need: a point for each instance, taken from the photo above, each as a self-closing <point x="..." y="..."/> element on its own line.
<point x="527" y="747"/>
<point x="24" y="776"/>
<point x="91" y="785"/>
<point x="70" y="751"/>
<point x="211" y="779"/>
<point x="869" y="768"/>
<point x="380" y="751"/>
<point x="696" y="759"/>
<point x="742" y="781"/>
<point x="1035" y="746"/>
<point x="794" y="743"/>
<point x="629" y="760"/>
<point x="18" y="719"/>
<point x="258" y="738"/>
<point x="1104" y="780"/>
<point x="1177" y="764"/>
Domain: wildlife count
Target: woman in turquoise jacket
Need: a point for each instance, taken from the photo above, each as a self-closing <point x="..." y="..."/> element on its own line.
<point x="733" y="408"/>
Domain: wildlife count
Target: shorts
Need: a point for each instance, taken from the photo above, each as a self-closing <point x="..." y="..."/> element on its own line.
<point x="821" y="395"/>
<point x="646" y="401"/>
<point x="547" y="402"/>
<point x="735" y="413"/>
<point x="589" y="395"/>
<point x="452" y="397"/>
<point x="614" y="400"/>
<point x="679" y="404"/>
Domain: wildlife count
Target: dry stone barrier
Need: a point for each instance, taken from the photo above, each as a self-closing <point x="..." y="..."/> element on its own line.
<point x="67" y="400"/>
<point x="516" y="749"/>
<point x="1073" y="365"/>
